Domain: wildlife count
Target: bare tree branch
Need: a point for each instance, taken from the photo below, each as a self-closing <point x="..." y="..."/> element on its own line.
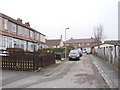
<point x="98" y="34"/>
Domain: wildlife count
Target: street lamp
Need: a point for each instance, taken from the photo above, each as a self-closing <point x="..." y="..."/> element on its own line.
<point x="65" y="44"/>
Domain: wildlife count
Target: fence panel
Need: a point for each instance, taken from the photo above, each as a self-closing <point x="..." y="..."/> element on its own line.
<point x="111" y="54"/>
<point x="17" y="59"/>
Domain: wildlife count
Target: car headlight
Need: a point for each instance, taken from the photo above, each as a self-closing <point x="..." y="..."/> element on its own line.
<point x="77" y="55"/>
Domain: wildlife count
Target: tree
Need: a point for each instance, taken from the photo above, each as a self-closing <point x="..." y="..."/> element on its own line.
<point x="99" y="34"/>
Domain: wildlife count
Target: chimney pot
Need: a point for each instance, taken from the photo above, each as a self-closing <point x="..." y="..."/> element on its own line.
<point x="19" y="20"/>
<point x="27" y="23"/>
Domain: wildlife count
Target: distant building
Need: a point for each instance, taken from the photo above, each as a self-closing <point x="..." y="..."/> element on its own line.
<point x="114" y="42"/>
<point x="87" y="43"/>
<point x="54" y="43"/>
<point x="15" y="34"/>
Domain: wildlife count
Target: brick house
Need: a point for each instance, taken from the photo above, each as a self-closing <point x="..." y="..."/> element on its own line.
<point x="114" y="42"/>
<point x="54" y="43"/>
<point x="15" y="34"/>
<point x="87" y="43"/>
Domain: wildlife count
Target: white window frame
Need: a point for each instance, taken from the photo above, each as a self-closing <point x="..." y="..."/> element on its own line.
<point x="1" y="23"/>
<point x="25" y="29"/>
<point x="31" y="34"/>
<point x="9" y="42"/>
<point x="13" y="27"/>
<point x="16" y="43"/>
<point x="42" y="38"/>
<point x="4" y="42"/>
<point x="1" y="41"/>
<point x="20" y="30"/>
<point x="37" y="36"/>
<point x="5" y="24"/>
<point x="88" y="44"/>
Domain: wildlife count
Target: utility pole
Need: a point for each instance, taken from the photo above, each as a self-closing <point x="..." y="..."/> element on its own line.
<point x="65" y="44"/>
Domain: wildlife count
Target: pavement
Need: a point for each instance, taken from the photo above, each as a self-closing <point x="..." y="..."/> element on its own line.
<point x="109" y="73"/>
<point x="11" y="79"/>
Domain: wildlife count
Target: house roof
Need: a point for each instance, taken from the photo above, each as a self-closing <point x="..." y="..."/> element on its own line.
<point x="53" y="42"/>
<point x="114" y="42"/>
<point x="85" y="46"/>
<point x="73" y="41"/>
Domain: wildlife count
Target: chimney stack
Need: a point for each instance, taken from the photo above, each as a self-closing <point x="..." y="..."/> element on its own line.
<point x="27" y="23"/>
<point x="19" y="20"/>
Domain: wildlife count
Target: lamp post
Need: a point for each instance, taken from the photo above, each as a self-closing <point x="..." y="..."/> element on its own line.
<point x="65" y="44"/>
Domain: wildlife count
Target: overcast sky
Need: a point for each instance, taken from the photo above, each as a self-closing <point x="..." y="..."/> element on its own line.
<point x="51" y="17"/>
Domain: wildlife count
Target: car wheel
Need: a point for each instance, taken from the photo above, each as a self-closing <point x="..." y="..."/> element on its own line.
<point x="69" y="59"/>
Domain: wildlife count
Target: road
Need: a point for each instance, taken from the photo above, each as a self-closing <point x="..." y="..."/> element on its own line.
<point x="86" y="73"/>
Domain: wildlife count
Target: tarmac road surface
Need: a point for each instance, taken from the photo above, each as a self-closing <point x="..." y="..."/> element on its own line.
<point x="67" y="74"/>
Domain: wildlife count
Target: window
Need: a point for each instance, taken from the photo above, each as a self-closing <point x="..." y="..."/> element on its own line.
<point x="21" y="44"/>
<point x="9" y="42"/>
<point x="1" y="41"/>
<point x="31" y="34"/>
<point x="88" y="44"/>
<point x="16" y="44"/>
<point x="4" y="42"/>
<point x="0" y="23"/>
<point x="5" y="24"/>
<point x="26" y="31"/>
<point x="42" y="38"/>
<point x="25" y="44"/>
<point x="30" y="46"/>
<point x="13" y="27"/>
<point x="20" y="30"/>
<point x="37" y="36"/>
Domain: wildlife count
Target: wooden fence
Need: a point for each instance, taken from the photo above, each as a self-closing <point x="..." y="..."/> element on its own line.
<point x="17" y="59"/>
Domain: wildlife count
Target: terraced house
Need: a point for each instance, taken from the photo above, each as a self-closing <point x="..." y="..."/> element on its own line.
<point x="15" y="34"/>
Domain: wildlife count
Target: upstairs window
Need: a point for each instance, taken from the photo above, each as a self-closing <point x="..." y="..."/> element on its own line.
<point x="88" y="44"/>
<point x="0" y="23"/>
<point x="31" y="34"/>
<point x="26" y="31"/>
<point x="20" y="30"/>
<point x="37" y="36"/>
<point x="42" y="38"/>
<point x="5" y="24"/>
<point x="13" y="27"/>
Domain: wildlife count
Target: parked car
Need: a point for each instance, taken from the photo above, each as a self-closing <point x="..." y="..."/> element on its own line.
<point x="74" y="55"/>
<point x="80" y="52"/>
<point x="84" y="51"/>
